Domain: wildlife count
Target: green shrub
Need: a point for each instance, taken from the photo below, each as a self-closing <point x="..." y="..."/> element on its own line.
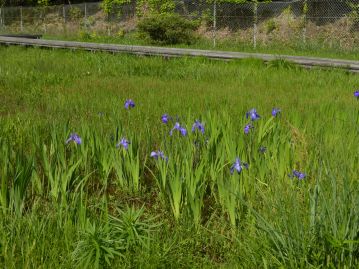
<point x="85" y="35"/>
<point x="75" y="13"/>
<point x="168" y="29"/>
<point x="271" y="25"/>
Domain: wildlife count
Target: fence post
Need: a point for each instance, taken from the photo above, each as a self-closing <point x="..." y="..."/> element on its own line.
<point x="85" y="10"/>
<point x="1" y="17"/>
<point x="85" y="22"/>
<point x="108" y="24"/>
<point x="64" y="19"/>
<point x="305" y="12"/>
<point x="214" y="30"/>
<point x="64" y="13"/>
<point x="21" y="22"/>
<point x="255" y="13"/>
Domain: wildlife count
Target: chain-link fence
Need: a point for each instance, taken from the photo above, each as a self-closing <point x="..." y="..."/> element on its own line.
<point x="330" y="23"/>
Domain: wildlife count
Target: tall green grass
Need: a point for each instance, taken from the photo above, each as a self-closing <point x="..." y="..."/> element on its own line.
<point x="98" y="205"/>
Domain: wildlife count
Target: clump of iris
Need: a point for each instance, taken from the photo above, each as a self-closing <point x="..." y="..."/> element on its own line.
<point x="158" y="154"/>
<point x="356" y="94"/>
<point x="198" y="125"/>
<point x="262" y="149"/>
<point x="75" y="138"/>
<point x="248" y="128"/>
<point x="238" y="166"/>
<point x="165" y="118"/>
<point x="252" y="114"/>
<point x="124" y="143"/>
<point x="297" y="174"/>
<point x="275" y="112"/>
<point x="129" y="104"/>
<point x="179" y="128"/>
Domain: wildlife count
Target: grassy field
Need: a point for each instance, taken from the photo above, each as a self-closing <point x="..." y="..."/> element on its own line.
<point x="98" y="202"/>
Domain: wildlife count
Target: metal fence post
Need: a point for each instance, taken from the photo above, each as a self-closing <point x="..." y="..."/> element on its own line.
<point x="21" y="22"/>
<point x="108" y="25"/>
<point x="305" y="12"/>
<point x="85" y="19"/>
<point x="255" y="13"/>
<point x="85" y="11"/>
<point x="64" y="13"/>
<point x="64" y="19"/>
<point x="1" y="23"/>
<point x="214" y="30"/>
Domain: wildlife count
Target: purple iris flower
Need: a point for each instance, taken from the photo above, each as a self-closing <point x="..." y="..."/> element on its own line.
<point x="129" y="104"/>
<point x="74" y="137"/>
<point x="356" y="94"/>
<point x="275" y="112"/>
<point x="123" y="142"/>
<point x="198" y="125"/>
<point x="247" y="128"/>
<point x="165" y="118"/>
<point x="298" y="174"/>
<point x="252" y="114"/>
<point x="262" y="149"/>
<point x="183" y="131"/>
<point x="178" y="127"/>
<point x="238" y="166"/>
<point x="158" y="154"/>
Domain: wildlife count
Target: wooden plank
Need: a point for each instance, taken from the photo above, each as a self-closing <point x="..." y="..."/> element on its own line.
<point x="22" y="36"/>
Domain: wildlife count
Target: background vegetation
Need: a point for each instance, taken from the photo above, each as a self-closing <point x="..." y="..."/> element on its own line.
<point x="154" y="3"/>
<point x="301" y="28"/>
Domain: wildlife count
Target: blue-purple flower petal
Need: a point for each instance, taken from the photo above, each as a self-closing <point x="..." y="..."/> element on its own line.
<point x="275" y="112"/>
<point x="129" y="104"/>
<point x="165" y="118"/>
<point x="158" y="154"/>
<point x="299" y="175"/>
<point x="124" y="143"/>
<point x="252" y="114"/>
<point x="75" y="138"/>
<point x="179" y="128"/>
<point x="198" y="125"/>
<point x="248" y="128"/>
<point x="238" y="166"/>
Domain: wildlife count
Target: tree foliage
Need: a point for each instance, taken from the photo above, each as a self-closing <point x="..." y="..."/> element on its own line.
<point x="167" y="29"/>
<point x="108" y="5"/>
<point x="160" y="6"/>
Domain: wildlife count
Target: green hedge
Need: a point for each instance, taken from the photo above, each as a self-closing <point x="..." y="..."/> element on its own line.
<point x="168" y="29"/>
